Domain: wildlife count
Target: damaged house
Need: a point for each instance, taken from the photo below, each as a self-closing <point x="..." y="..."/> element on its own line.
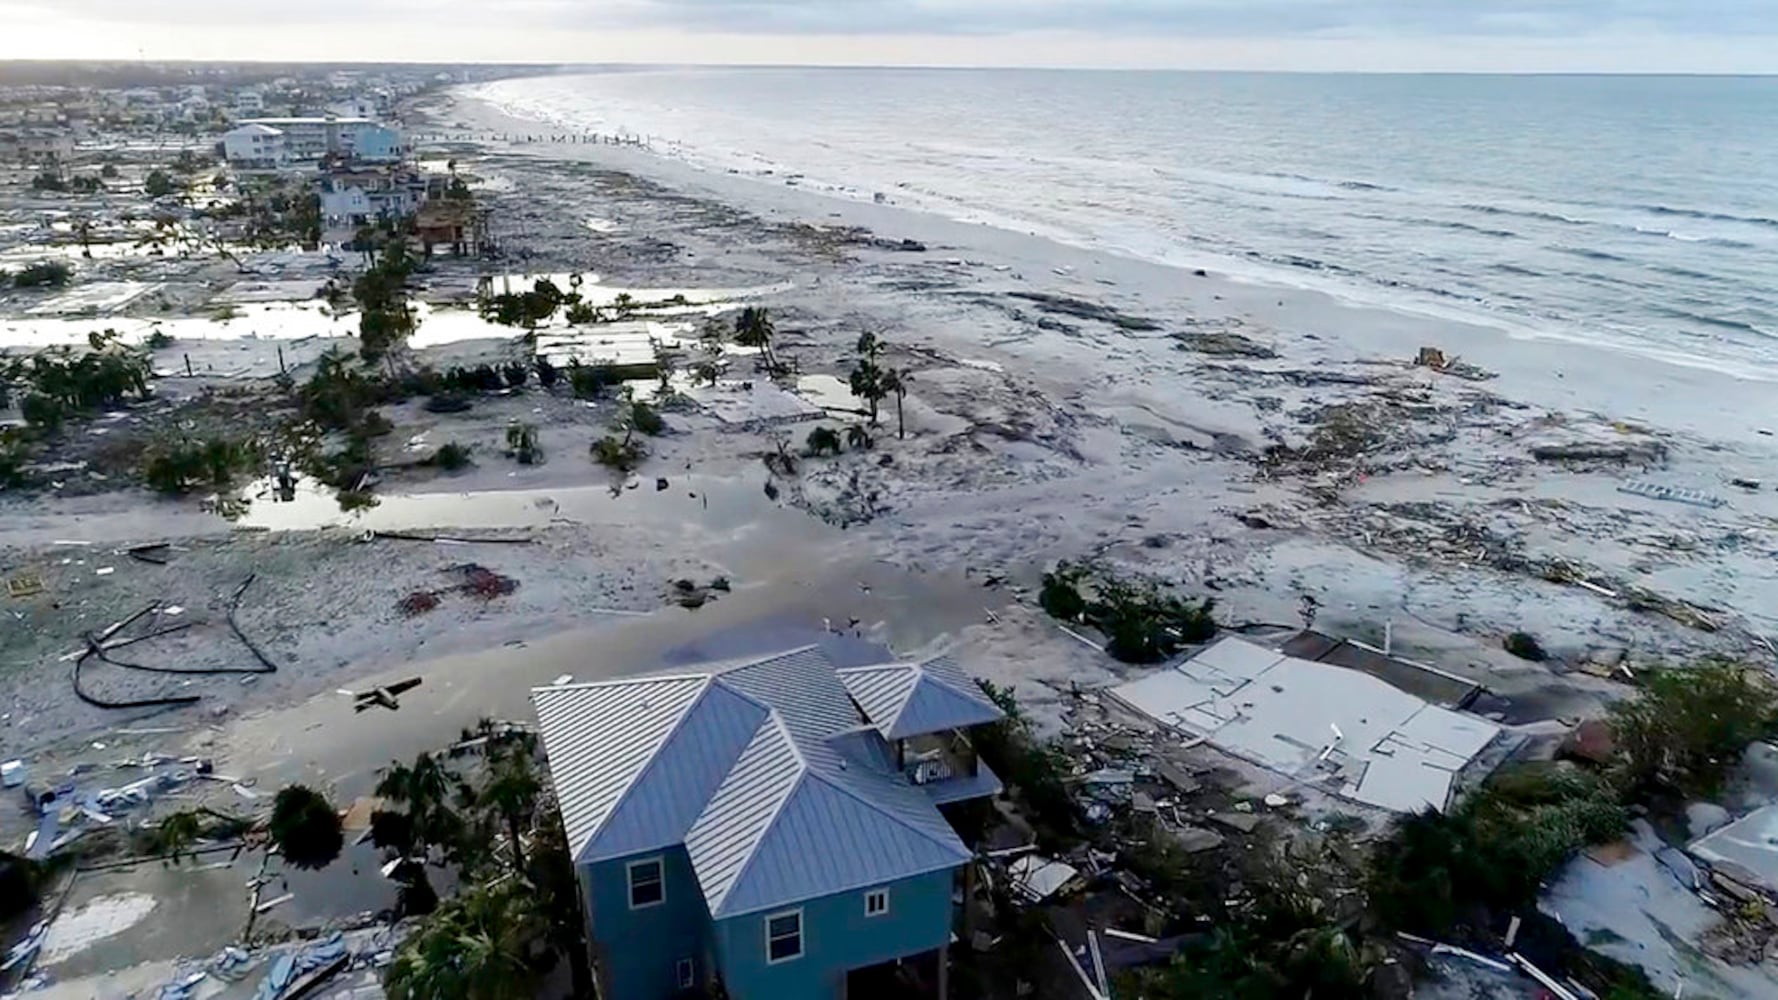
<point x="771" y="826"/>
<point x="1329" y="726"/>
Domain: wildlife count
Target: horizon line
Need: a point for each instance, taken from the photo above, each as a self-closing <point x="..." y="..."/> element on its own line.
<point x="558" y="65"/>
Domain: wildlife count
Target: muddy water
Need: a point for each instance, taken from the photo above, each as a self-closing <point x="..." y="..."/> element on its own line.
<point x="806" y="594"/>
<point x="711" y="503"/>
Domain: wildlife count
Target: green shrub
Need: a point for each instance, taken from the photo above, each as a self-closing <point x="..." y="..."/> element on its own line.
<point x="305" y="828"/>
<point x="49" y="180"/>
<point x="1525" y="646"/>
<point x="157" y="184"/>
<point x="547" y="374"/>
<point x="823" y="441"/>
<point x="355" y="500"/>
<point x="623" y="455"/>
<point x="647" y="419"/>
<point x="521" y="443"/>
<point x="43" y="412"/>
<point x="43" y="274"/>
<point x="14" y="454"/>
<point x="1688" y="728"/>
<point x="452" y="456"/>
<point x="1060" y="596"/>
<point x="159" y="340"/>
<point x="1142" y="623"/>
<point x="175" y="467"/>
<point x="1492" y="852"/>
<point x="588" y="382"/>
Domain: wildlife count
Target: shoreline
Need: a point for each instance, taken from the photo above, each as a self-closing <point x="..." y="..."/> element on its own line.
<point x="682" y="163"/>
<point x="1533" y="365"/>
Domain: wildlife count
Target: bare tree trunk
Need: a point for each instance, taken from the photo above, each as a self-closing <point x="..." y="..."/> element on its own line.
<point x="901" y="421"/>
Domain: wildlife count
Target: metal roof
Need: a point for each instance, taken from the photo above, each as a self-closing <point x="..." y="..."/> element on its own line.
<point x="599" y="737"/>
<point x="766" y="770"/>
<point x="910" y="699"/>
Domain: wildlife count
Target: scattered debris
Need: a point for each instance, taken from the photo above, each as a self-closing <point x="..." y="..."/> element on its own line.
<point x="1655" y="491"/>
<point x="1433" y="358"/>
<point x="384" y="697"/>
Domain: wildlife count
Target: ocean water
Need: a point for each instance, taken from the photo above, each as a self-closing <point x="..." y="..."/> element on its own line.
<point x="1633" y="211"/>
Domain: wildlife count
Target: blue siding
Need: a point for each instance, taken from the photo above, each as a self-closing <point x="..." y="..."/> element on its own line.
<point x="637" y="949"/>
<point x="837" y="937"/>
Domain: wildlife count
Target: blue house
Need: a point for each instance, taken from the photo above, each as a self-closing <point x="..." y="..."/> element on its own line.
<point x="770" y="828"/>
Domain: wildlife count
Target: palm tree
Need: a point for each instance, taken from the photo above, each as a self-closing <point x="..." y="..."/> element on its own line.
<point x="753" y="328"/>
<point x="895" y="380"/>
<point x="512" y="786"/>
<point x="477" y="946"/>
<point x="177" y="833"/>
<point x="425" y="791"/>
<point x="866" y="378"/>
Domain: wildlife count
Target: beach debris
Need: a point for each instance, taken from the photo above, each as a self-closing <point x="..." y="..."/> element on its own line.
<point x="418" y="603"/>
<point x="1745" y="483"/>
<point x="1435" y="359"/>
<point x="153" y="553"/>
<point x="385" y="697"/>
<point x="1675" y="494"/>
<point x="1224" y="345"/>
<point x="1036" y="878"/>
<point x="274" y="901"/>
<point x="562" y="679"/>
<point x="12" y="773"/>
<point x="24" y="585"/>
<point x="484" y="583"/>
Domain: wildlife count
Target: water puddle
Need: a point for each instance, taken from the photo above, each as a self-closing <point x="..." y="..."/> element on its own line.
<point x="711" y="502"/>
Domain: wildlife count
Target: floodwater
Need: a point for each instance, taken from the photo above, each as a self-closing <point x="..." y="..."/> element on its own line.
<point x="710" y="502"/>
<point x="809" y="595"/>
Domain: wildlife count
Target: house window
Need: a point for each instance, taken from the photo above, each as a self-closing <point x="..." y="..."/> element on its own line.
<point x="876" y="902"/>
<point x="685" y="973"/>
<point x="784" y="936"/>
<point x="647" y="885"/>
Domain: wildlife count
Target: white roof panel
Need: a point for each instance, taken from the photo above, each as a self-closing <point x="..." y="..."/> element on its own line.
<point x="1307" y="719"/>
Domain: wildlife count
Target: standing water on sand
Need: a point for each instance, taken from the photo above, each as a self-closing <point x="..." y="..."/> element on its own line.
<point x="1628" y="210"/>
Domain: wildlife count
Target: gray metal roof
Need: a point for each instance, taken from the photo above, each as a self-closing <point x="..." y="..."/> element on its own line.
<point x="911" y="699"/>
<point x="765" y="770"/>
<point x="599" y="737"/>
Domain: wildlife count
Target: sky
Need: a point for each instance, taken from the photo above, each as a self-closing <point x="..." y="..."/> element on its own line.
<point x="1689" y="36"/>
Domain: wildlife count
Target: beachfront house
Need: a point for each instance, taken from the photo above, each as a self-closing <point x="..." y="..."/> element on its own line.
<point x="357" y="196"/>
<point x="255" y="147"/>
<point x="309" y="139"/>
<point x="771" y="828"/>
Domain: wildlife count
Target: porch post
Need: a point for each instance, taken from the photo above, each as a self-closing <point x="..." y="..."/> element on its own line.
<point x="944" y="971"/>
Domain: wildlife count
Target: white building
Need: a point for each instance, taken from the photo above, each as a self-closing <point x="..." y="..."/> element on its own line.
<point x="358" y="197"/>
<point x="255" y="147"/>
<point x="249" y="102"/>
<point x="310" y="139"/>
